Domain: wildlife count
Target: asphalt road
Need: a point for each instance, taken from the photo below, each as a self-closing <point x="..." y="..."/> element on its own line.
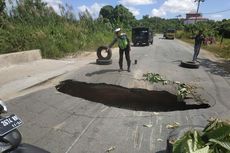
<point x="62" y="123"/>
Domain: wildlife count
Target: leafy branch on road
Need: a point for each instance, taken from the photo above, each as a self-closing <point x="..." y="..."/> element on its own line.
<point x="215" y="138"/>
<point x="183" y="90"/>
<point x="155" y="78"/>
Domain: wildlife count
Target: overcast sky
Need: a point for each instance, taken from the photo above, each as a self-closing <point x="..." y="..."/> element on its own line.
<point x="160" y="8"/>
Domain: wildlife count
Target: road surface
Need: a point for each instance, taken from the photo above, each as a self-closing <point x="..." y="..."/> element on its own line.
<point x="114" y="120"/>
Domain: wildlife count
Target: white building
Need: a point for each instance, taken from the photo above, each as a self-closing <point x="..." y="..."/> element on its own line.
<point x="191" y="18"/>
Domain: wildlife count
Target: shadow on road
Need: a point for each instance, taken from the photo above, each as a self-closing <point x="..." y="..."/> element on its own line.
<point x="142" y="45"/>
<point x="121" y="97"/>
<point x="101" y="72"/>
<point x="161" y="151"/>
<point x="93" y="63"/>
<point x="217" y="68"/>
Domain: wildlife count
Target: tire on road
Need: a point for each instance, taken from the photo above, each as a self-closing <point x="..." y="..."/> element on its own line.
<point x="104" y="62"/>
<point x="178" y="133"/>
<point x="99" y="53"/>
<point x="190" y="64"/>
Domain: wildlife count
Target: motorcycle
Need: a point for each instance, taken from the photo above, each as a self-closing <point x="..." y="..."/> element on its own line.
<point x="10" y="137"/>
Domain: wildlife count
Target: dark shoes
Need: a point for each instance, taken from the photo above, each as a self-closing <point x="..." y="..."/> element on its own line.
<point x="121" y="69"/>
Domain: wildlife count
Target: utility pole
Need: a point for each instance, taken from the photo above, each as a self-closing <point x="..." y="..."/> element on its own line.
<point x="198" y="6"/>
<point x="178" y="21"/>
<point x="178" y="16"/>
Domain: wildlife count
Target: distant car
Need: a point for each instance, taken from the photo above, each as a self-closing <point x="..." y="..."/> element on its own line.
<point x="170" y="34"/>
<point x="142" y="35"/>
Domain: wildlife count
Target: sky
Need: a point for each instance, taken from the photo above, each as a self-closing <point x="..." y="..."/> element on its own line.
<point x="162" y="8"/>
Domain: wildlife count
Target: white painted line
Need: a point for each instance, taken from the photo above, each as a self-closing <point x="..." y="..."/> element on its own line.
<point x="104" y="109"/>
<point x="151" y="144"/>
<point x="86" y="128"/>
<point x="141" y="141"/>
<point x="135" y="136"/>
<point x="160" y="129"/>
<point x="126" y="135"/>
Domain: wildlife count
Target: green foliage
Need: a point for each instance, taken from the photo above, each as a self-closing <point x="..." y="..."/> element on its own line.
<point x="183" y="90"/>
<point x="160" y="25"/>
<point x="215" y="138"/>
<point x="33" y="24"/>
<point x="154" y="78"/>
<point x="2" y="5"/>
<point x="220" y="31"/>
<point x="106" y="12"/>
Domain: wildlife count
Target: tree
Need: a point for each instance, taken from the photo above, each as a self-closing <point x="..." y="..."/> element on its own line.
<point x="225" y="30"/>
<point x="33" y="11"/>
<point x="123" y="14"/>
<point x="2" y="6"/>
<point x="106" y="12"/>
<point x="118" y="16"/>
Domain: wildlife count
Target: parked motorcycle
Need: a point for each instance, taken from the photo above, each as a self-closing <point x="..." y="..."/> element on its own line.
<point x="10" y="137"/>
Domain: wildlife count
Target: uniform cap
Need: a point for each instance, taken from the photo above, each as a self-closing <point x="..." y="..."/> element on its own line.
<point x="117" y="30"/>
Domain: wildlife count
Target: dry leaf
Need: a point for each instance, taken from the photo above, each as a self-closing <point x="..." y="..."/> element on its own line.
<point x="148" y="125"/>
<point x="110" y="149"/>
<point x="160" y="140"/>
<point x="173" y="125"/>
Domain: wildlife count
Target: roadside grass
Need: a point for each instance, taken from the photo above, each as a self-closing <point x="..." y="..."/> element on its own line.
<point x="222" y="51"/>
<point x="54" y="40"/>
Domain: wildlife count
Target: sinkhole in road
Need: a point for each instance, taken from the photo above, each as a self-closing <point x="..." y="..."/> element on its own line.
<point x="126" y="98"/>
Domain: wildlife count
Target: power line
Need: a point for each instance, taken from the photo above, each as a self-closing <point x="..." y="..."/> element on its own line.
<point x="217" y="12"/>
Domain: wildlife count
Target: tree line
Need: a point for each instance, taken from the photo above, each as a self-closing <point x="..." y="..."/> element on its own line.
<point x="31" y="24"/>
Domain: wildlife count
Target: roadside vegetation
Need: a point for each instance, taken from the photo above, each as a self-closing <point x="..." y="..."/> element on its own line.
<point x="32" y="24"/>
<point x="214" y="138"/>
<point x="217" y="36"/>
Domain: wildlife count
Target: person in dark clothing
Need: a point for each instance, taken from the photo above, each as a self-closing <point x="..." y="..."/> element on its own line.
<point x="198" y="41"/>
<point x="124" y="47"/>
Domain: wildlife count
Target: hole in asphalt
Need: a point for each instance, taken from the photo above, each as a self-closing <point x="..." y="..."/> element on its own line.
<point x="121" y="97"/>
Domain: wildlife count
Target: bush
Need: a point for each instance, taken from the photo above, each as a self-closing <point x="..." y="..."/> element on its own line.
<point x="36" y="26"/>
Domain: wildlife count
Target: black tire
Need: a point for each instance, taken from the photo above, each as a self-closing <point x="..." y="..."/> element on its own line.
<point x="103" y="48"/>
<point x="103" y="62"/>
<point x="190" y="64"/>
<point x="178" y="133"/>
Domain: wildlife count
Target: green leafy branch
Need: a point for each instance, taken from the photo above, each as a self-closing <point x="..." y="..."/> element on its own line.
<point x="183" y="90"/>
<point x="215" y="138"/>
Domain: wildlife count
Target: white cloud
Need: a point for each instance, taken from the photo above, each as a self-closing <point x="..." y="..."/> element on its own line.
<point x="174" y="6"/>
<point x="158" y="12"/>
<point x="54" y="4"/>
<point x="136" y="2"/>
<point x="93" y="9"/>
<point x="216" y="17"/>
<point x="135" y="11"/>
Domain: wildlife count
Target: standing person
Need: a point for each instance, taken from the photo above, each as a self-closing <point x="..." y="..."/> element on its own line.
<point x="198" y="41"/>
<point x="124" y="46"/>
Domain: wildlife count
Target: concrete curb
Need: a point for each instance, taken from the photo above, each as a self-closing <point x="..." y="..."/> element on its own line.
<point x="19" y="57"/>
<point x="14" y="87"/>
